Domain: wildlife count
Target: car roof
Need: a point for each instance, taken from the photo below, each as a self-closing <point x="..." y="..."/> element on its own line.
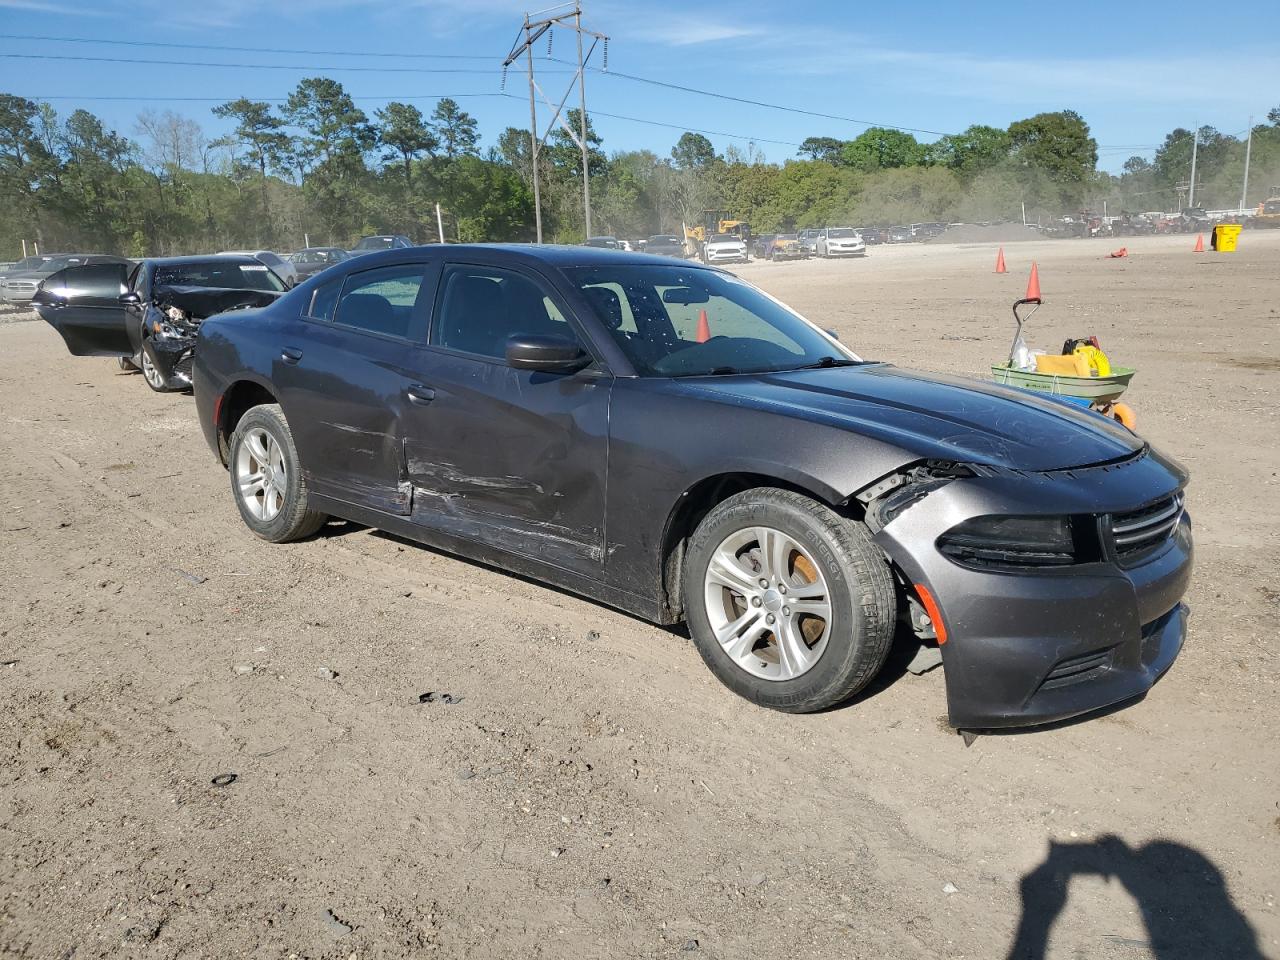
<point x="201" y="258"/>
<point x="555" y="255"/>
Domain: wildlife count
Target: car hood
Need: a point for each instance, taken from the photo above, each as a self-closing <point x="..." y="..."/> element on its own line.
<point x="934" y="416"/>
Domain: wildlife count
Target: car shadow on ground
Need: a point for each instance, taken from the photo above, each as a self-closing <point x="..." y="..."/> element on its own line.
<point x="1182" y="896"/>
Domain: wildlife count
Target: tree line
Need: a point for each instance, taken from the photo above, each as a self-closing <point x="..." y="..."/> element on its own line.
<point x="318" y="167"/>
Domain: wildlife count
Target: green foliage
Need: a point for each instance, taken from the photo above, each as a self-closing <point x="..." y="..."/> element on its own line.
<point x="693" y="151"/>
<point x="321" y="168"/>
<point x="880" y="148"/>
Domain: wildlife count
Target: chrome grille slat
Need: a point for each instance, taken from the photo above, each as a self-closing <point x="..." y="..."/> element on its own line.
<point x="1135" y="533"/>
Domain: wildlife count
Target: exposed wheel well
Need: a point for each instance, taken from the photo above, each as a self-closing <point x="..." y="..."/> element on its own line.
<point x="695" y="504"/>
<point x="238" y="399"/>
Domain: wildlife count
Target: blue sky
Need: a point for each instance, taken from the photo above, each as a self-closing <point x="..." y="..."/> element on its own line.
<point x="1133" y="70"/>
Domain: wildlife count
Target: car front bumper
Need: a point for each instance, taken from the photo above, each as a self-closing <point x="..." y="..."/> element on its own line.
<point x="726" y="256"/>
<point x="846" y="251"/>
<point x="173" y="357"/>
<point x="19" y="292"/>
<point x="1031" y="648"/>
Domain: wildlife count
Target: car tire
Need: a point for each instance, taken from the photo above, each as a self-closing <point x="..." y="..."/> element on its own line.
<point x="126" y="364"/>
<point x="150" y="372"/>
<point x="828" y="658"/>
<point x="275" y="510"/>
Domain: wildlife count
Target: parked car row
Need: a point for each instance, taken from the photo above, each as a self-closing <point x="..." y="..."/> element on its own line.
<point x="594" y="419"/>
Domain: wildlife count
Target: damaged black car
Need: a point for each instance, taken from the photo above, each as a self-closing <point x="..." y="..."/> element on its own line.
<point x="148" y="315"/>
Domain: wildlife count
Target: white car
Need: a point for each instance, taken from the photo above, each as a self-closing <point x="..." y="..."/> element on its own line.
<point x="277" y="264"/>
<point x="840" y="242"/>
<point x="726" y="248"/>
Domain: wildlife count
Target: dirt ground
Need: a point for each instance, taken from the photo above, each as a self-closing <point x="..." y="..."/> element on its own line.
<point x="595" y="793"/>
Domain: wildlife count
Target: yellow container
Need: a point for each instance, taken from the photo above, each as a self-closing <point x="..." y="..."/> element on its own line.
<point x="1224" y="237"/>
<point x="1068" y="365"/>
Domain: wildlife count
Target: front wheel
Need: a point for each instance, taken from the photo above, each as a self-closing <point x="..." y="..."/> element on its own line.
<point x="266" y="478"/>
<point x="150" y="372"/>
<point x="790" y="605"/>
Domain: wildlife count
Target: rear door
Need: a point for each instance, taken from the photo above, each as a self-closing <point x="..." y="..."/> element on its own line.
<point x="346" y="372"/>
<point x="88" y="307"/>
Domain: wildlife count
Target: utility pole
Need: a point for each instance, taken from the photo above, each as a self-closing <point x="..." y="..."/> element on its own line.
<point x="1244" y="189"/>
<point x="1195" y="148"/>
<point x="567" y="16"/>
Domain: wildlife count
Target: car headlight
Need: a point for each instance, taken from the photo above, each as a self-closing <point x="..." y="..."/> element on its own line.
<point x="1021" y="543"/>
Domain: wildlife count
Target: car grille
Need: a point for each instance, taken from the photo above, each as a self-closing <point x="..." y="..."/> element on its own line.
<point x="1139" y="533"/>
<point x="183" y="367"/>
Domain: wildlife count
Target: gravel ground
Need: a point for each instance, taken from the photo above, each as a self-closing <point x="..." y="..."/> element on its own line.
<point x="213" y="747"/>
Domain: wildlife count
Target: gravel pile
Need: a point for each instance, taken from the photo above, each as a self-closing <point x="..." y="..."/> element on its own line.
<point x="988" y="233"/>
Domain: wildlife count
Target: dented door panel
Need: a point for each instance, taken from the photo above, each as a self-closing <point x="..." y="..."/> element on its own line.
<point x="512" y="458"/>
<point x="348" y="390"/>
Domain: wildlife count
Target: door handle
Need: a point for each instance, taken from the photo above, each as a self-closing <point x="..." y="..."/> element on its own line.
<point x="420" y="395"/>
<point x="290" y="354"/>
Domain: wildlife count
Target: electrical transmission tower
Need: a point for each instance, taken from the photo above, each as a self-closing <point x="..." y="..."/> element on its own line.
<point x="566" y="16"/>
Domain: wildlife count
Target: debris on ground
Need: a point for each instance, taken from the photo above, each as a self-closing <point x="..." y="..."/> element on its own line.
<point x="225" y="779"/>
<point x="192" y="578"/>
<point x="324" y="673"/>
<point x="950" y="888"/>
<point x="336" y="926"/>
<point x="244" y="669"/>
<point x="432" y="697"/>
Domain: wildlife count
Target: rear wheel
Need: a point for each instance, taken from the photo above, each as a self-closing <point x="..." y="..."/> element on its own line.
<point x="126" y="364"/>
<point x="791" y="605"/>
<point x="266" y="478"/>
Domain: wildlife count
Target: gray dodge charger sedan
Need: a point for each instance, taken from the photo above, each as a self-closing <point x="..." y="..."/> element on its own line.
<point x="668" y="439"/>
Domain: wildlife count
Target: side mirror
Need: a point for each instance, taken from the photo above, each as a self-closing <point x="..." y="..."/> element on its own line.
<point x="548" y="354"/>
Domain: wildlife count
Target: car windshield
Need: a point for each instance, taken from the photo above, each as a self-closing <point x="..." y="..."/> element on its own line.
<point x="218" y="273"/>
<point x="675" y="321"/>
<point x="725" y="238"/>
<point x="666" y="239"/>
<point x="840" y="233"/>
<point x="376" y="243"/>
<point x="787" y="236"/>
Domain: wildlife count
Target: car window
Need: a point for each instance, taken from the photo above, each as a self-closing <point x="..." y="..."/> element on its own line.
<point x="270" y="259"/>
<point x="324" y="299"/>
<point x="481" y="307"/>
<point x="383" y="300"/>
<point x="690" y="321"/>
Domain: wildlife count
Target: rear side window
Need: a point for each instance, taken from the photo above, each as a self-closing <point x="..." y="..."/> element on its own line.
<point x="481" y="307"/>
<point x="384" y="301"/>
<point x="323" y="300"/>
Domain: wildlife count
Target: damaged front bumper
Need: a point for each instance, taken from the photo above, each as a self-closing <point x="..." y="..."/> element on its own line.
<point x="173" y="357"/>
<point x="1035" y="646"/>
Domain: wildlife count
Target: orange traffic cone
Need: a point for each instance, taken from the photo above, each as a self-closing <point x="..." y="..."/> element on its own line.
<point x="1000" y="267"/>
<point x="1033" y="284"/>
<point x="704" y="328"/>
<point x="1199" y="248"/>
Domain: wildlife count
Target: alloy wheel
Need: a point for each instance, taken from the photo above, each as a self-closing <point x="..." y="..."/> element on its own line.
<point x="768" y="603"/>
<point x="152" y="372"/>
<point x="261" y="478"/>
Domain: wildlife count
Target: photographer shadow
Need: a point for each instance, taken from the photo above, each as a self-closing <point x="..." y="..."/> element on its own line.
<point x="1185" y="905"/>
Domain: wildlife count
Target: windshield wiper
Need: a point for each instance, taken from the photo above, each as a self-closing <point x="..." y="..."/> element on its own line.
<point x="722" y="371"/>
<point x="830" y="362"/>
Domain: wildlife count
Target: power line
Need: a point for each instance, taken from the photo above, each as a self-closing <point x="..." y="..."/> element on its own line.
<point x="131" y="98"/>
<point x="311" y="68"/>
<point x="152" y="99"/>
<point x="285" y="50"/>
<point x="758" y="103"/>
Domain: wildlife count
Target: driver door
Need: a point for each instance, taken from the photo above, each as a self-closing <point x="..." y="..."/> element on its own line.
<point x="90" y="306"/>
